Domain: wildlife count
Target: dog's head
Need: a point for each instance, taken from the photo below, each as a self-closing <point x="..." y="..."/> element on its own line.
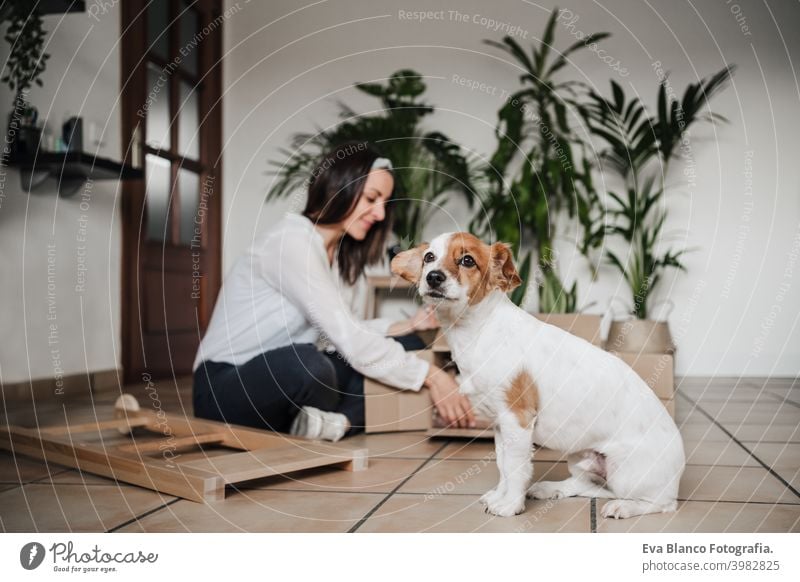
<point x="457" y="269"/>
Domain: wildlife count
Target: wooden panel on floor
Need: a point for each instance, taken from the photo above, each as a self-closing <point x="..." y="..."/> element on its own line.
<point x="266" y="454"/>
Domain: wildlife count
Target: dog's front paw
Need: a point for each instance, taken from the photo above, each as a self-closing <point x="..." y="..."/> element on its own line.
<point x="506" y="506"/>
<point x="619" y="509"/>
<point x="546" y="490"/>
<point x="490" y="496"/>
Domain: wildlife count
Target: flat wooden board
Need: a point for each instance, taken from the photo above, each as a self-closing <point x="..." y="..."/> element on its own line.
<point x="257" y="453"/>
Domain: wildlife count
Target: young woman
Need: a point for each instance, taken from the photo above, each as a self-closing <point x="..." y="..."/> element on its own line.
<point x="295" y="289"/>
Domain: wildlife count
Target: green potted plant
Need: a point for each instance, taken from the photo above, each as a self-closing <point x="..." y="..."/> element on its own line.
<point x="428" y="165"/>
<point x="540" y="168"/>
<point x="26" y="62"/>
<point x="639" y="151"/>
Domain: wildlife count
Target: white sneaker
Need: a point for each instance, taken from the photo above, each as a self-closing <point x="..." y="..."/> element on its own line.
<point x="313" y="423"/>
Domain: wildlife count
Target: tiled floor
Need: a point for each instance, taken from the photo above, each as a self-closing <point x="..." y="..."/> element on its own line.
<point x="743" y="475"/>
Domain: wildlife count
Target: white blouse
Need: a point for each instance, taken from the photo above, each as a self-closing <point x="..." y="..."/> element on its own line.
<point x="283" y="290"/>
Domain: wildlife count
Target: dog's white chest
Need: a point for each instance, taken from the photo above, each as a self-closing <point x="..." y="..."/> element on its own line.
<point x="480" y="377"/>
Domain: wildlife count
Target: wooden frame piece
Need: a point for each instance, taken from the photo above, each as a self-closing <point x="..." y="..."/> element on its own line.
<point x="263" y="454"/>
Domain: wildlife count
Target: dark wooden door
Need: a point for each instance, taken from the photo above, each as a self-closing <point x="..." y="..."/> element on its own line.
<point x="171" y="110"/>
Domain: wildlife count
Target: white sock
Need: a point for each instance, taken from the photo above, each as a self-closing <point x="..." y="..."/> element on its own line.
<point x="313" y="423"/>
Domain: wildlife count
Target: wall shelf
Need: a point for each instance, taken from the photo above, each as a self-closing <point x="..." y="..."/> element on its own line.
<point x="61" y="6"/>
<point x="71" y="170"/>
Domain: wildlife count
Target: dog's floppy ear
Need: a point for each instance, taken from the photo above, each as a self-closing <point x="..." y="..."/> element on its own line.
<point x="408" y="264"/>
<point x="504" y="273"/>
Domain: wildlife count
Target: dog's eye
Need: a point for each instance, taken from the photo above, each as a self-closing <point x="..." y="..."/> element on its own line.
<point x="428" y="258"/>
<point x="467" y="261"/>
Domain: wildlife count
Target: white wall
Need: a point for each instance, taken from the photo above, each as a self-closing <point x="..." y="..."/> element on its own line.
<point x="735" y="311"/>
<point x="82" y="78"/>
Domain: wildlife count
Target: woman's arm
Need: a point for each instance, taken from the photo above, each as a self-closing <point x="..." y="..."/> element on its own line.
<point x="292" y="264"/>
<point x="424" y="319"/>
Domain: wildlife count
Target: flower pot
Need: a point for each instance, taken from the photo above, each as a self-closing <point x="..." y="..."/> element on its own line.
<point x="642" y="336"/>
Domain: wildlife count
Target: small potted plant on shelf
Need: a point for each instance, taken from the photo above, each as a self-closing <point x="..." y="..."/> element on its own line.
<point x="639" y="150"/>
<point x="428" y="165"/>
<point x="26" y="62"/>
<point x="539" y="169"/>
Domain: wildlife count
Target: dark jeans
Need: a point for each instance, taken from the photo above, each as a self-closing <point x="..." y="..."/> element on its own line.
<point x="269" y="390"/>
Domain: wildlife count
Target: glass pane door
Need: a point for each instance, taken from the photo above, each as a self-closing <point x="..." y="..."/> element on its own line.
<point x="172" y="128"/>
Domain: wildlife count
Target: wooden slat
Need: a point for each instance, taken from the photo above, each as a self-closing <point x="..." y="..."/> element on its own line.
<point x="235" y="437"/>
<point x="248" y="465"/>
<point x="84" y="427"/>
<point x="199" y="480"/>
<point x="172" y="443"/>
<point x="476" y="433"/>
<point x="186" y="482"/>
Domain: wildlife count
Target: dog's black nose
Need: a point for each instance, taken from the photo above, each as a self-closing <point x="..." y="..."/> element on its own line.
<point x="435" y="278"/>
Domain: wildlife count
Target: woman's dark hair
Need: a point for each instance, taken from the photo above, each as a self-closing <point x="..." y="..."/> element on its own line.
<point x="334" y="189"/>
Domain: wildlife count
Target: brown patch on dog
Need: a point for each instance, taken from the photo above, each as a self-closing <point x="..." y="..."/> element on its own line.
<point x="473" y="278"/>
<point x="408" y="264"/>
<point x="494" y="266"/>
<point x="522" y="398"/>
<point x="505" y="273"/>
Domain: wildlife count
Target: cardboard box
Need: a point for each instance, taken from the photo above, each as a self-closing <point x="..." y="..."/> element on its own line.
<point x="580" y="324"/>
<point x="670" y="405"/>
<point x="657" y="370"/>
<point x="390" y="410"/>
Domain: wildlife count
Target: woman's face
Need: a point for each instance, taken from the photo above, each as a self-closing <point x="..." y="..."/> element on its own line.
<point x="370" y="206"/>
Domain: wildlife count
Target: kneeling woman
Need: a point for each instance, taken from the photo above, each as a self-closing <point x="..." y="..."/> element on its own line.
<point x="295" y="288"/>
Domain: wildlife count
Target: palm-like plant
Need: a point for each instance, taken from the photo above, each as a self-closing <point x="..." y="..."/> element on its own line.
<point x="634" y="140"/>
<point x="428" y="165"/>
<point x="534" y="172"/>
<point x="25" y="36"/>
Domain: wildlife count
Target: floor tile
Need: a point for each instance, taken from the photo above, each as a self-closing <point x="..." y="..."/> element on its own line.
<point x="786" y="397"/>
<point x="443" y="495"/>
<point x="743" y="484"/>
<point x="21" y="469"/>
<point x="718" y="453"/>
<point x="687" y="412"/>
<point x="698" y="516"/>
<point x="784" y="384"/>
<point x="443" y="477"/>
<point x="382" y="476"/>
<point x="761" y="432"/>
<point x="463" y="513"/>
<point x="262" y="511"/>
<point x="767" y="413"/>
<point x="468" y="450"/>
<point x="44" y="507"/>
<point x="784" y="459"/>
<point x="481" y="449"/>
<point x="413" y="445"/>
<point x="749" y="397"/>
<point x="714" y="388"/>
<point x="690" y="416"/>
<point x="706" y="432"/>
<point x="777" y="456"/>
<point x="77" y="477"/>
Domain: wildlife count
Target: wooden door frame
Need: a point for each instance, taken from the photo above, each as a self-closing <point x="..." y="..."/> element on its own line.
<point x="133" y="90"/>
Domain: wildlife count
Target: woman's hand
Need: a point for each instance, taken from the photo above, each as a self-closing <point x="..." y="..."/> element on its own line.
<point x="424" y="319"/>
<point x="454" y="408"/>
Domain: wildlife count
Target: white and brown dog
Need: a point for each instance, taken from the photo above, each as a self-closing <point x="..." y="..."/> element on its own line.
<point x="543" y="385"/>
